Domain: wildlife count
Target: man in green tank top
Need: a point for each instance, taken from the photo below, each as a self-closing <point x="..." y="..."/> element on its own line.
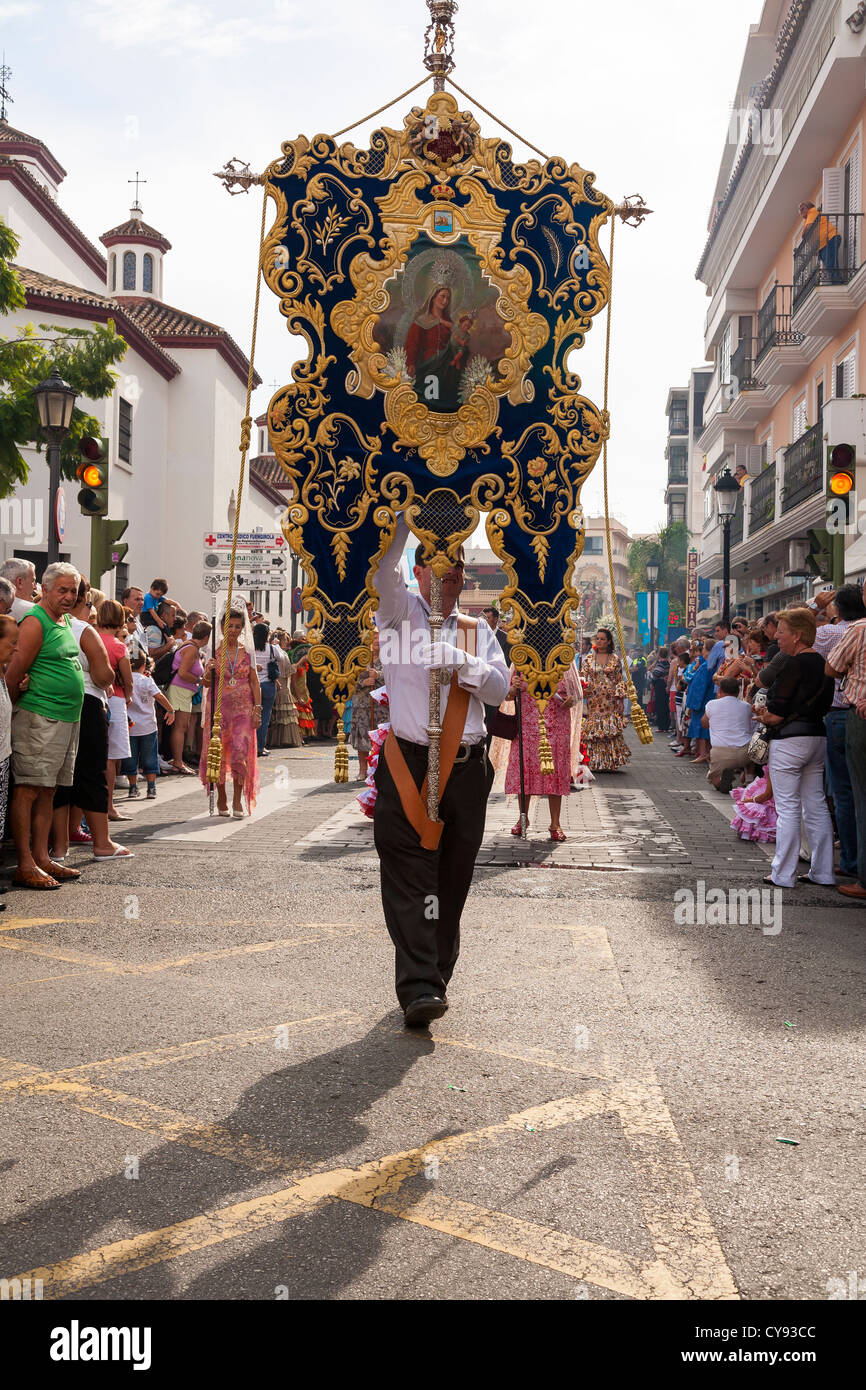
<point x="46" y="685"/>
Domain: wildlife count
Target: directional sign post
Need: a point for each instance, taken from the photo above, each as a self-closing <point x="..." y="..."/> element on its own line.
<point x="214" y="580"/>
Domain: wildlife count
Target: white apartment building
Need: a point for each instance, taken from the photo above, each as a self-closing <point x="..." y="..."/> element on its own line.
<point x="785" y="324"/>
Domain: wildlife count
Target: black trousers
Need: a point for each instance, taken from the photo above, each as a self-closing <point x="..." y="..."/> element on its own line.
<point x="423" y="891"/>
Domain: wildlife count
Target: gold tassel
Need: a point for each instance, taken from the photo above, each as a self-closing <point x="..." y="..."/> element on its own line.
<point x="341" y="757"/>
<point x="214" y="755"/>
<point x="638" y="715"/>
<point x="545" y="752"/>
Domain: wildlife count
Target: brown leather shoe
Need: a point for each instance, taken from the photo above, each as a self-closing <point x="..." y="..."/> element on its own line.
<point x="853" y="890"/>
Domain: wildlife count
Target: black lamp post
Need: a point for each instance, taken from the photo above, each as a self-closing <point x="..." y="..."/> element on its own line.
<point x="727" y="490"/>
<point x="652" y="574"/>
<point x="55" y="401"/>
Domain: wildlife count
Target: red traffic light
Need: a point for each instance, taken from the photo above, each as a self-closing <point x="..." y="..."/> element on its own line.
<point x="842" y="456"/>
<point x="90" y="448"/>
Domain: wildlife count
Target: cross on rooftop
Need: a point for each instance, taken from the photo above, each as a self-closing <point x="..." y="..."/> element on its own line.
<point x="136" y="181"/>
<point x="5" y="74"/>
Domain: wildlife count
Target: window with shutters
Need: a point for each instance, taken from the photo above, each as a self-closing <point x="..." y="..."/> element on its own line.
<point x="147" y="273"/>
<point x="129" y="270"/>
<point x="798" y="425"/>
<point x="124" y="430"/>
<point x="725" y="357"/>
<point x="846" y="375"/>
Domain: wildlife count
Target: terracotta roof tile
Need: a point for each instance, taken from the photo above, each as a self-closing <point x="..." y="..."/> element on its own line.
<point x="9" y="135"/>
<point x="14" y="169"/>
<point x="133" y="229"/>
<point x="35" y="283"/>
<point x="176" y="327"/>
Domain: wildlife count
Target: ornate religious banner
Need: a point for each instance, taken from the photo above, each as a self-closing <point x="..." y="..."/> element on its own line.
<point x="441" y="288"/>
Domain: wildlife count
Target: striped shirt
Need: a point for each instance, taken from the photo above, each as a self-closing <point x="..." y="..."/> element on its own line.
<point x="849" y="659"/>
<point x="827" y="638"/>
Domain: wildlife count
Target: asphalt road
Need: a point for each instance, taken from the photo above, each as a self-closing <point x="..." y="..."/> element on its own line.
<point x="206" y="1090"/>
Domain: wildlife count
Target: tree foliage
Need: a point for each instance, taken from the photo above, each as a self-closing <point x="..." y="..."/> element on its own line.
<point x="669" y="548"/>
<point x="84" y="357"/>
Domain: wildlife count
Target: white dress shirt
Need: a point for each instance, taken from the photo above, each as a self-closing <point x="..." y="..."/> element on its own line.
<point x="403" y="622"/>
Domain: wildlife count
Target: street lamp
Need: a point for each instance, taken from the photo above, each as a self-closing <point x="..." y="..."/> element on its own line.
<point x="727" y="490"/>
<point x="652" y="574"/>
<point x="55" y="401"/>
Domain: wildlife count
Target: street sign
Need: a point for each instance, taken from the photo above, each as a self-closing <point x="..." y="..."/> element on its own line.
<point x="213" y="581"/>
<point x="275" y="560"/>
<point x="60" y="514"/>
<point x="247" y="540"/>
<point x="297" y="603"/>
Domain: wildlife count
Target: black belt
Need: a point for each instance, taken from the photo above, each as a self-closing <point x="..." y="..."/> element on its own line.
<point x="464" y="752"/>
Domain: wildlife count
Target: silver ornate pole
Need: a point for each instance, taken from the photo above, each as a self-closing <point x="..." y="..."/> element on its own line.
<point x="434" y="728"/>
<point x="439" y="41"/>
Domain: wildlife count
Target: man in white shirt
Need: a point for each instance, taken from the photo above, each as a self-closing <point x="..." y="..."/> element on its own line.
<point x="424" y="889"/>
<point x="22" y="576"/>
<point x="731" y="725"/>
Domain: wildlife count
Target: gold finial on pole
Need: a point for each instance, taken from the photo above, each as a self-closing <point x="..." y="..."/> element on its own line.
<point x="439" y="41"/>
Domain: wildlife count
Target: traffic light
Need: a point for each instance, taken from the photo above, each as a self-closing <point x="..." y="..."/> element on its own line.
<point x="92" y="473"/>
<point x="105" y="553"/>
<point x="842" y="476"/>
<point x="841" y="484"/>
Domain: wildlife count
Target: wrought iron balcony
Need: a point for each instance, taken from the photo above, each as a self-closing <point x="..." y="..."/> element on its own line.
<point x="774" y="321"/>
<point x="743" y="366"/>
<point x="737" y="521"/>
<point x="829" y="254"/>
<point x="804" y="469"/>
<point x="762" y="499"/>
<point x="678" y="422"/>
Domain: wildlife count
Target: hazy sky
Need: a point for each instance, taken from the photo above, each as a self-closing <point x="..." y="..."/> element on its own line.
<point x="639" y="93"/>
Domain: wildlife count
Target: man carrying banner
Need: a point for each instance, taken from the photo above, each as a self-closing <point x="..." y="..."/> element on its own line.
<point x="426" y="866"/>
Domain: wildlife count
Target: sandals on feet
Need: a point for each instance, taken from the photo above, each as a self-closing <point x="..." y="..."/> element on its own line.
<point x="557" y="835"/>
<point x="34" y="879"/>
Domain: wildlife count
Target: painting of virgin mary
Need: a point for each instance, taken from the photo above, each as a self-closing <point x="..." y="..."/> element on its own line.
<point x="436" y="351"/>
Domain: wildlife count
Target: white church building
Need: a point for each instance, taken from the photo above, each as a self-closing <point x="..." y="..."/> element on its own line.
<point x="173" y="420"/>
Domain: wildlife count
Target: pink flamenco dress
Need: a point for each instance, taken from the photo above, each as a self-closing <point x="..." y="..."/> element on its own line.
<point x="377" y="736"/>
<point x="238" y="734"/>
<point x="557" y="720"/>
<point x="754" y="820"/>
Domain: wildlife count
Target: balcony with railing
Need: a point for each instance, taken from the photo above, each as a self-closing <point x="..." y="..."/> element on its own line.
<point x="737" y="520"/>
<point x="678" y="421"/>
<point x="762" y="499"/>
<point x="774" y="321"/>
<point x="678" y="476"/>
<point x="743" y="366"/>
<point x="828" y="255"/>
<point x="804" y="469"/>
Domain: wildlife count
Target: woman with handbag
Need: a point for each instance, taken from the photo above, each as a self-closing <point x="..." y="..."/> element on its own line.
<point x="797" y="701"/>
<point x="557" y="719"/>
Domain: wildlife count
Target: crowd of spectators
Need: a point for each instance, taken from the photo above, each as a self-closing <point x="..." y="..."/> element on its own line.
<point x="797" y="677"/>
<point x="98" y="694"/>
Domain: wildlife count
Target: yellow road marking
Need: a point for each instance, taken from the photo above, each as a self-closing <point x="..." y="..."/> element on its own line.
<point x="180" y="1052"/>
<point x="44" y="979"/>
<point x="540" y="1245"/>
<point x="678" y="1221"/>
<point x="115" y="967"/>
<point x="17" y="923"/>
<point x="363" y="1186"/>
<point x="33" y="948"/>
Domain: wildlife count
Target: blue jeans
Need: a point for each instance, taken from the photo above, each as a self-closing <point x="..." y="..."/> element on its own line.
<point x="143" y="749"/>
<point x="269" y="694"/>
<point x="855" y="750"/>
<point x="839" y="780"/>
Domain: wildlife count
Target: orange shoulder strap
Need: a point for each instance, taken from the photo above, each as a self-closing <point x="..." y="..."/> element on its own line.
<point x="414" y="803"/>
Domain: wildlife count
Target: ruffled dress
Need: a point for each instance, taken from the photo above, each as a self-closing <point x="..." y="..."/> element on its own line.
<point x="754" y="821"/>
<point x="604" y="720"/>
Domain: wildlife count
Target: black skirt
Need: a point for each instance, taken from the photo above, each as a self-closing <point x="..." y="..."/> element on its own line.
<point x="89" y="789"/>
